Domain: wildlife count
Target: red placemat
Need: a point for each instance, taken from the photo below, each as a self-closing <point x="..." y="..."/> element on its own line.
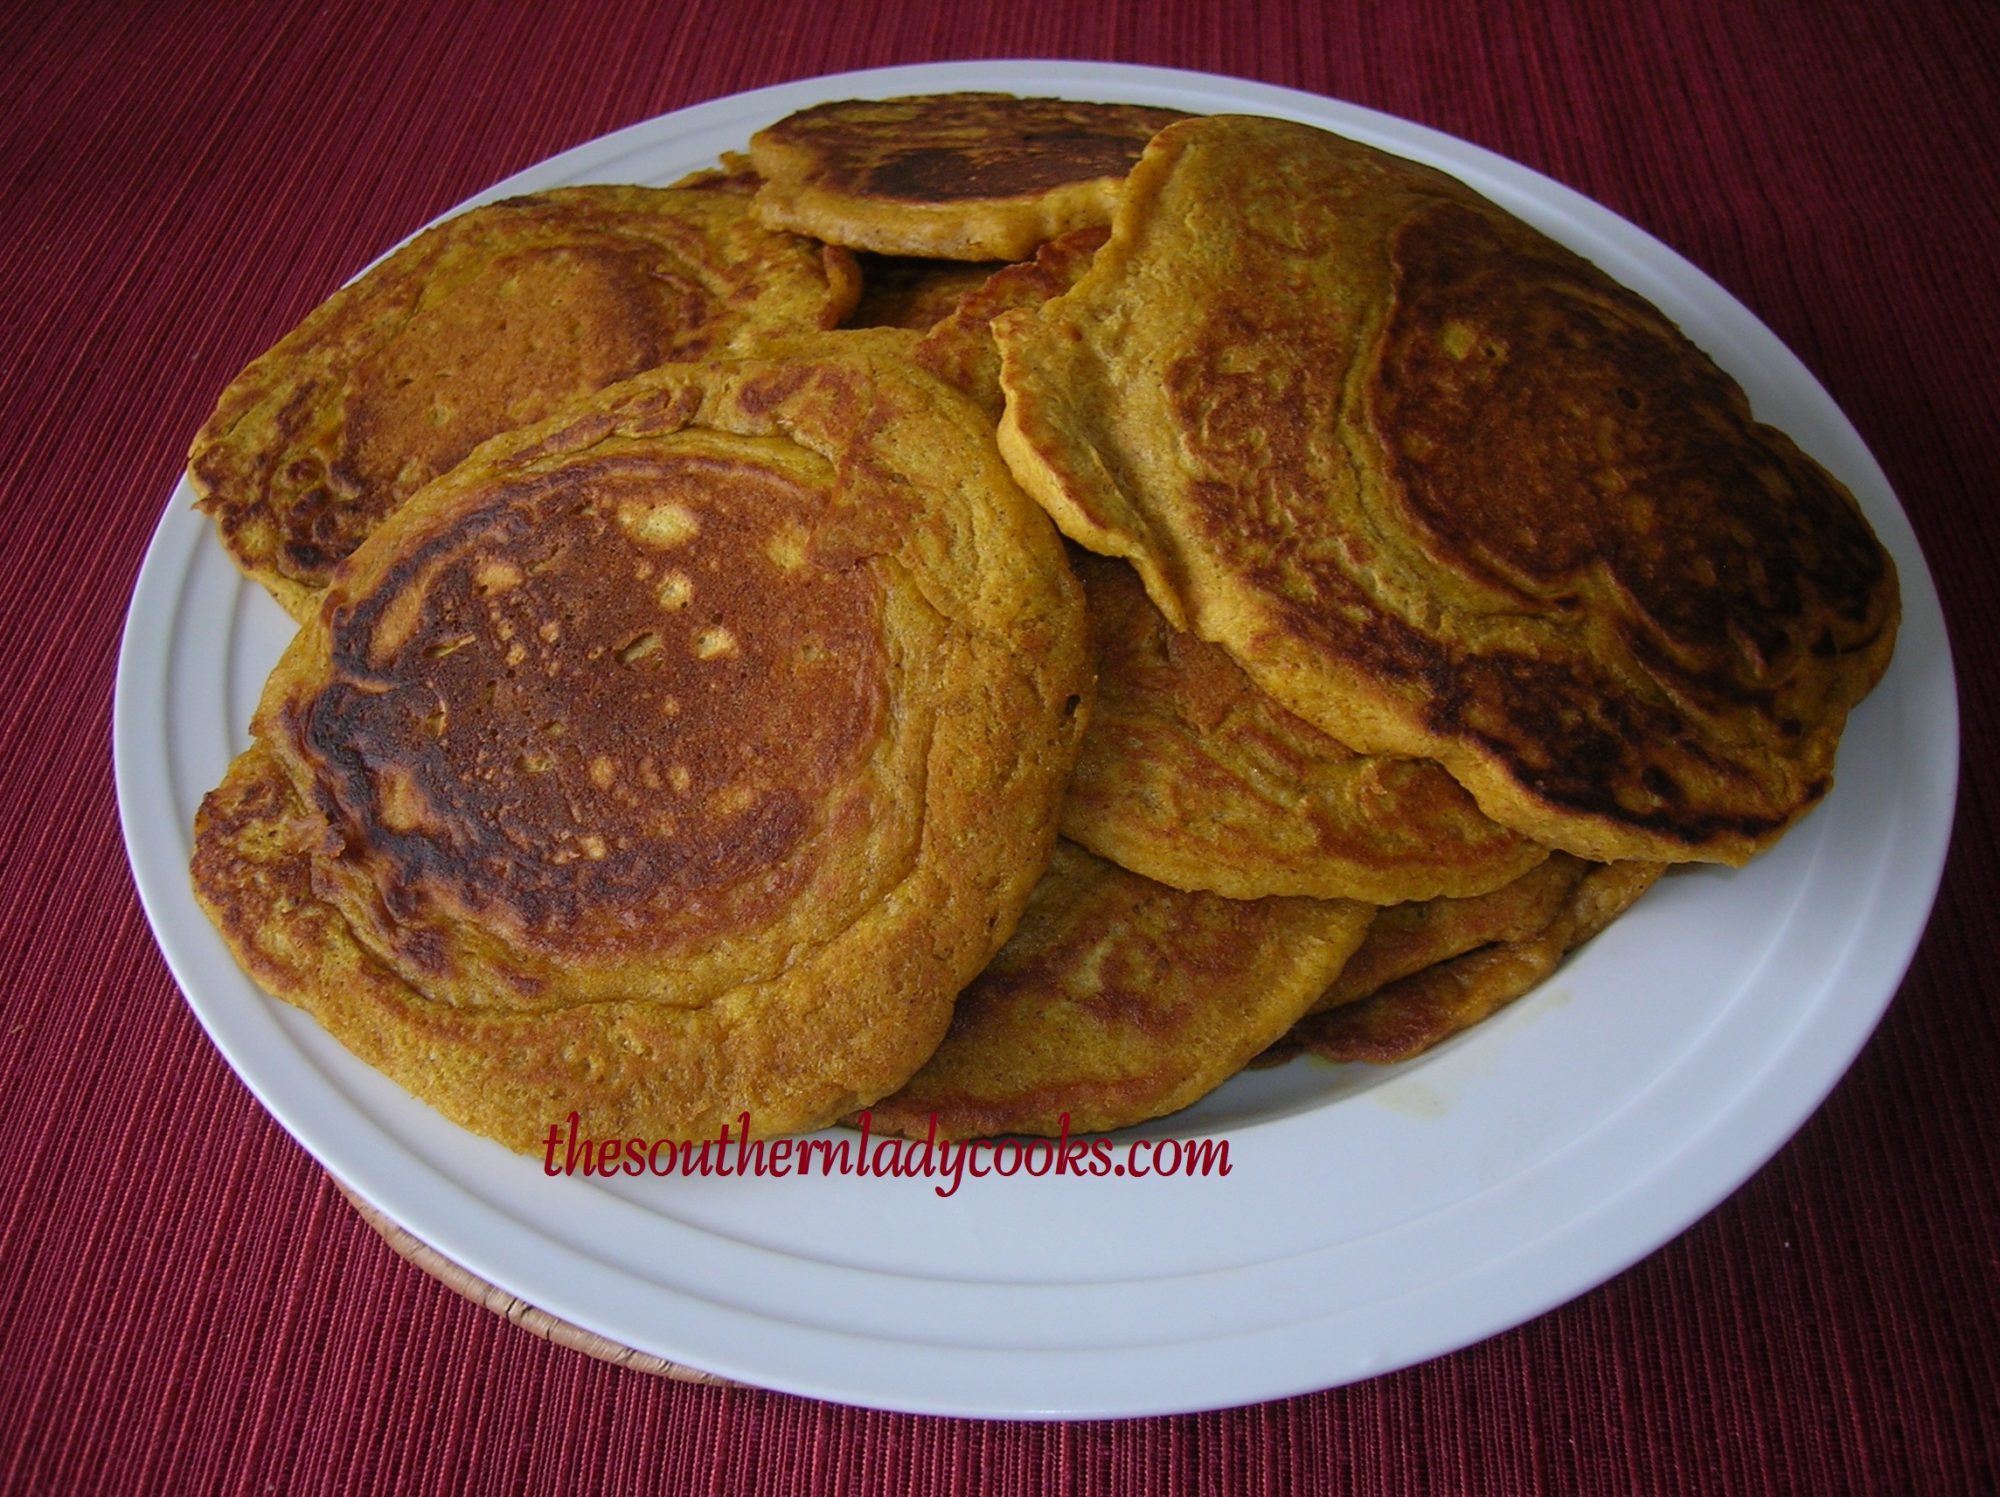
<point x="185" y="1301"/>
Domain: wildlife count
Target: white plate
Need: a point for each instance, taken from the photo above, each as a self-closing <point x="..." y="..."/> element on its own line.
<point x="1373" y="1218"/>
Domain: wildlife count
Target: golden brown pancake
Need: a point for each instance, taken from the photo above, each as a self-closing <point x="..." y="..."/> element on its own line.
<point x="1447" y="491"/>
<point x="1406" y="938"/>
<point x="485" y="323"/>
<point x="679" y="757"/>
<point x="1191" y="776"/>
<point x="899" y="291"/>
<point x="966" y="176"/>
<point x="1119" y="1000"/>
<point x="959" y="349"/>
<point x="733" y="172"/>
<point x="1404" y="1018"/>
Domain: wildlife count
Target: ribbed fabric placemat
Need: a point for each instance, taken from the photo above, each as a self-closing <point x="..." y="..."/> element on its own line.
<point x="187" y="1304"/>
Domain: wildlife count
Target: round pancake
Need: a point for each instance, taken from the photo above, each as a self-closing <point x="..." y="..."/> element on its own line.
<point x="680" y="757"/>
<point x="1447" y="491"/>
<point x="485" y="323"/>
<point x="1119" y="1000"/>
<point x="968" y="176"/>
<point x="1191" y="776"/>
<point x="1407" y="1017"/>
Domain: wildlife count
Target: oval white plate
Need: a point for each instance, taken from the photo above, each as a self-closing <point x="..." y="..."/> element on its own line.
<point x="1373" y="1218"/>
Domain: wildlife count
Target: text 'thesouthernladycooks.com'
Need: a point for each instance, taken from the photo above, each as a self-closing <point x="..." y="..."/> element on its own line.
<point x="948" y="1163"/>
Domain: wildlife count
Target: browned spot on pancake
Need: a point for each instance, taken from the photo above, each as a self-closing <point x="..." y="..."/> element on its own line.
<point x="773" y="390"/>
<point x="968" y="145"/>
<point x="1604" y="450"/>
<point x="952" y="176"/>
<point x="1034" y="160"/>
<point x="544" y="824"/>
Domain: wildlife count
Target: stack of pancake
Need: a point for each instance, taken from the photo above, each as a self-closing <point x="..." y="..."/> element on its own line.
<point x="994" y="610"/>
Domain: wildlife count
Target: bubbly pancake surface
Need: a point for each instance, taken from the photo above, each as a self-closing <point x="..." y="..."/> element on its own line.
<point x="634" y="690"/>
<point x="968" y="176"/>
<point x="680" y="757"/>
<point x="1447" y="491"/>
<point x="485" y="323"/>
<point x="1119" y="1000"/>
<point x="1192" y="776"/>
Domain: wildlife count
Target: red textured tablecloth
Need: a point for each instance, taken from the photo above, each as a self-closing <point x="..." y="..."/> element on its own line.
<point x="186" y="1304"/>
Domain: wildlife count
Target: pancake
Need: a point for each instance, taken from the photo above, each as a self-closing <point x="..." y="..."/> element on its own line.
<point x="679" y="757"/>
<point x="1404" y="1018"/>
<point x="732" y="172"/>
<point x="1120" y="1000"/>
<point x="899" y="291"/>
<point x="1407" y="938"/>
<point x="959" y="348"/>
<point x="1191" y="776"/>
<point x="1447" y="491"/>
<point x="968" y="176"/>
<point x="485" y="323"/>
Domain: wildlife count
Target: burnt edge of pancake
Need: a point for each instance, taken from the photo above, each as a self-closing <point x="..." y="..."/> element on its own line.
<point x="1566" y="759"/>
